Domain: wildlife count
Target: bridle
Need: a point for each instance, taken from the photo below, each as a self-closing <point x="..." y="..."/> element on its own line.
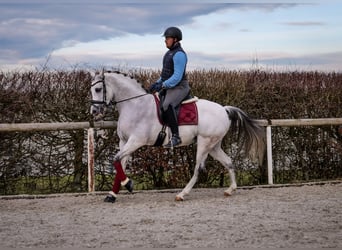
<point x="104" y="98"/>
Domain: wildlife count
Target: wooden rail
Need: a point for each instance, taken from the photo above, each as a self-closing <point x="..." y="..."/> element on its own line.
<point x="20" y="127"/>
<point x="289" y="123"/>
<point x="300" y="122"/>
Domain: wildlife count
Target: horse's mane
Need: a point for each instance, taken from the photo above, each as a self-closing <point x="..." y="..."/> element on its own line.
<point x="131" y="75"/>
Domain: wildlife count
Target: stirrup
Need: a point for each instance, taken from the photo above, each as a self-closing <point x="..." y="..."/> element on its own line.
<point x="174" y="141"/>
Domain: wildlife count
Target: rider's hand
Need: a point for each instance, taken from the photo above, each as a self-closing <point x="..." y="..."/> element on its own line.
<point x="156" y="87"/>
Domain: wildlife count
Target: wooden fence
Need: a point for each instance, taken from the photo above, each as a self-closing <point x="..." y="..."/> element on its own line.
<point x="20" y="127"/>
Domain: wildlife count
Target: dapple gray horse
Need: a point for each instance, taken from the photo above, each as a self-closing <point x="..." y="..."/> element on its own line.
<point x="138" y="124"/>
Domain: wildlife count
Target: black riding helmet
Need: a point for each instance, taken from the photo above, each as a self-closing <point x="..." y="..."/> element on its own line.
<point x="173" y="32"/>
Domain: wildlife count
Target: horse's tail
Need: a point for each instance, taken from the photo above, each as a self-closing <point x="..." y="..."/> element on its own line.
<point x="252" y="132"/>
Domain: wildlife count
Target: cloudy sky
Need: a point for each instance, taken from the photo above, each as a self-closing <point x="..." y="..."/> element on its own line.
<point x="275" y="35"/>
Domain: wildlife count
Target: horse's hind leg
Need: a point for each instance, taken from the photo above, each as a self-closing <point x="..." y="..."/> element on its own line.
<point x="201" y="155"/>
<point x="189" y="186"/>
<point x="226" y="161"/>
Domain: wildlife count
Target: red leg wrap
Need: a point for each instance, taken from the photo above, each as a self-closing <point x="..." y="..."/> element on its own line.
<point x="119" y="177"/>
<point x="116" y="185"/>
<point x="119" y="171"/>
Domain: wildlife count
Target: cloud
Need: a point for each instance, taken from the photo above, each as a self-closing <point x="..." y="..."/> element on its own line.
<point x="35" y="28"/>
<point x="279" y="61"/>
<point x="30" y="30"/>
<point x="38" y="28"/>
<point x="304" y="23"/>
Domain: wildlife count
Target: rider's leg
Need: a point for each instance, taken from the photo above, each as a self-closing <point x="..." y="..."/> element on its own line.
<point x="173" y="124"/>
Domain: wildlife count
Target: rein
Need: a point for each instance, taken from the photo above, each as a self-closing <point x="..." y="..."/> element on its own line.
<point x="130" y="98"/>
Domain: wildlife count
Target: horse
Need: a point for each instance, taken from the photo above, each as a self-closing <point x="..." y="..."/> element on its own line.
<point x="138" y="125"/>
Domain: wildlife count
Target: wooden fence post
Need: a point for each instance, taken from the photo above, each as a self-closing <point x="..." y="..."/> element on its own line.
<point x="91" y="163"/>
<point x="269" y="155"/>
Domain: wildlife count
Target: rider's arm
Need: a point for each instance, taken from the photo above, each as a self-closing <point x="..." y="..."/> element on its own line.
<point x="179" y="62"/>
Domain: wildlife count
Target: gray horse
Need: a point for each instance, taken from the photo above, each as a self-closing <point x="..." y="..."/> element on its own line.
<point x="138" y="124"/>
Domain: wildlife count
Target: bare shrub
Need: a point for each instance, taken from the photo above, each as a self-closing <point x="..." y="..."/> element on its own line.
<point x="47" y="162"/>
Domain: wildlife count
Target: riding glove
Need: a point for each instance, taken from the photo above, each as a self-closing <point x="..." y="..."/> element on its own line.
<point x="156" y="87"/>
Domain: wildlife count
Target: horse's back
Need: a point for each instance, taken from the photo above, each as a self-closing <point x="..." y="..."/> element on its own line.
<point x="212" y="118"/>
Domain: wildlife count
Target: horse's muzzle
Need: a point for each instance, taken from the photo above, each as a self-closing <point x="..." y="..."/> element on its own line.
<point x="97" y="112"/>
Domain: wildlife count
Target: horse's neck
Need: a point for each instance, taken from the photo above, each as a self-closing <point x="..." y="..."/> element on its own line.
<point x="137" y="110"/>
<point x="124" y="88"/>
<point x="125" y="94"/>
<point x="128" y="94"/>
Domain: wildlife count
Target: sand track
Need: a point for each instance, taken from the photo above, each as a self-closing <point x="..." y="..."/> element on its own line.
<point x="295" y="216"/>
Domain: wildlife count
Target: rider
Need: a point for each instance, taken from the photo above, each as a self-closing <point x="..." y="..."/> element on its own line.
<point x="172" y="83"/>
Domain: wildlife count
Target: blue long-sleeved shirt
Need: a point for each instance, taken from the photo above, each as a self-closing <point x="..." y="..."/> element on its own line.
<point x="179" y="62"/>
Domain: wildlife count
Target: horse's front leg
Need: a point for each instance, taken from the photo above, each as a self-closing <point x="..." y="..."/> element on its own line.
<point x="120" y="180"/>
<point x="120" y="161"/>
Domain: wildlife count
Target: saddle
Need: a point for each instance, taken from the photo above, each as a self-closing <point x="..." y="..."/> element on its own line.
<point x="187" y="111"/>
<point x="187" y="115"/>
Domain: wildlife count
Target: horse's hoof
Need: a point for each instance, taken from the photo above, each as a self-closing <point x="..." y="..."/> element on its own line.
<point x="129" y="186"/>
<point x="226" y="193"/>
<point x="110" y="198"/>
<point x="178" y="198"/>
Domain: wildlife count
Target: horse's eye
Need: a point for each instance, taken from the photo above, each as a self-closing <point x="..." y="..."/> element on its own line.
<point x="97" y="90"/>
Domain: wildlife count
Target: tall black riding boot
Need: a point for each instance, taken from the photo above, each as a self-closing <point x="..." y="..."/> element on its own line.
<point x="173" y="124"/>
